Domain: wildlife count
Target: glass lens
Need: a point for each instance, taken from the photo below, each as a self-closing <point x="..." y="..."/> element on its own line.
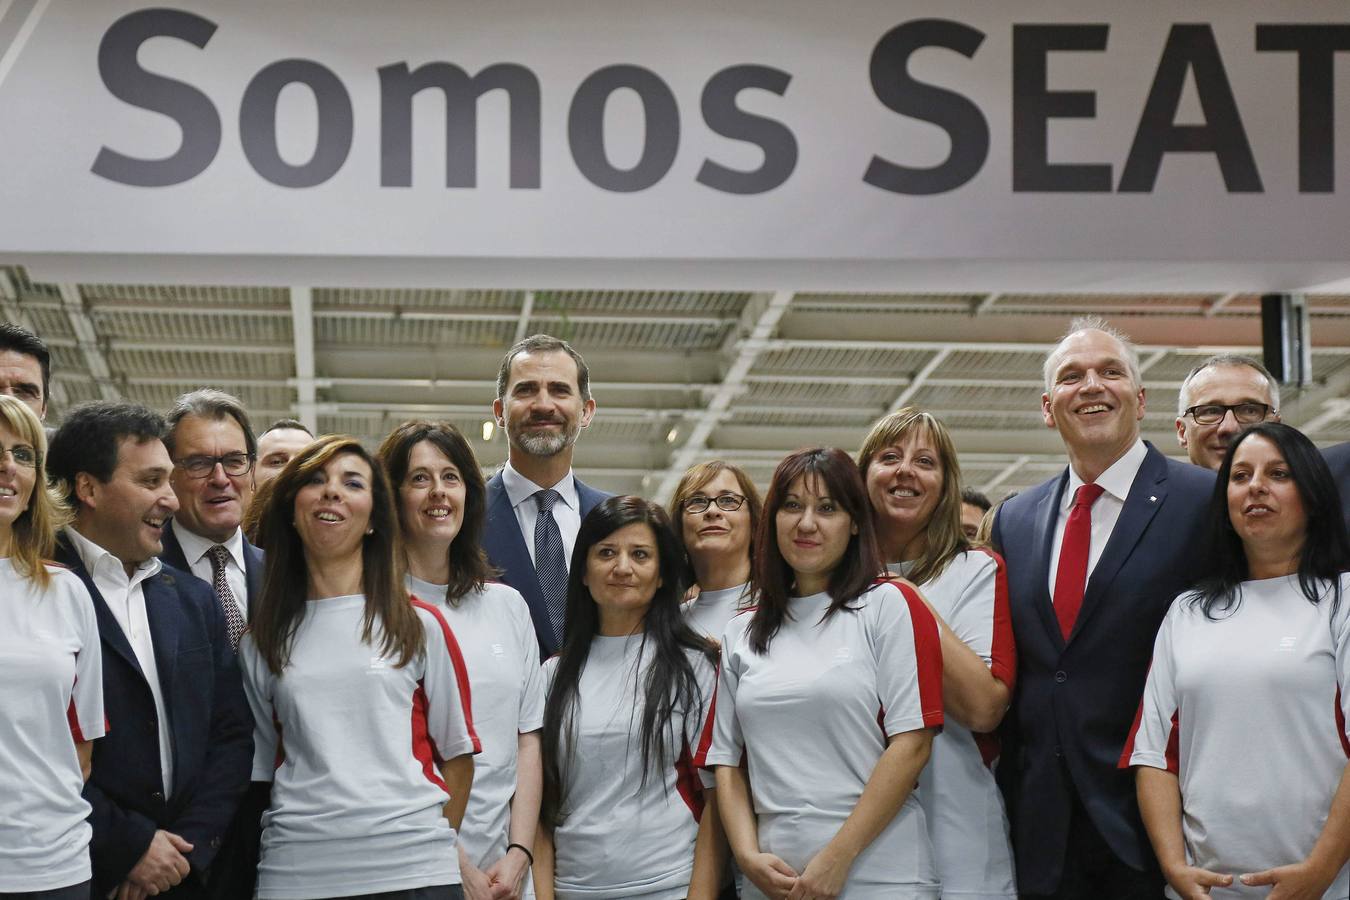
<point x="235" y="463"/>
<point x="696" y="504"/>
<point x="1207" y="415"/>
<point x="1250" y="413"/>
<point x="24" y="455"/>
<point x="729" y="502"/>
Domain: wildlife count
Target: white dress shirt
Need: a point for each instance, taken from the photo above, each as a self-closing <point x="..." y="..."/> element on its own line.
<point x="1116" y="482"/>
<point x="195" y="550"/>
<point x="125" y="598"/>
<point x="566" y="512"/>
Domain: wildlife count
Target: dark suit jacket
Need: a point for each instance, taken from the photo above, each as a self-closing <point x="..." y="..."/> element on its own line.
<point x="209" y="720"/>
<point x="253" y="564"/>
<point x="1075" y="701"/>
<point x="234" y="874"/>
<point x="506" y="550"/>
<point x="1338" y="458"/>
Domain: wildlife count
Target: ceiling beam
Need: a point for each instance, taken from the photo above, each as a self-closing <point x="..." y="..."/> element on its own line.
<point x="1332" y="411"/>
<point x="87" y="340"/>
<point x="920" y="378"/>
<point x="9" y="305"/>
<point x="733" y="383"/>
<point x="1004" y="474"/>
<point x="523" y="323"/>
<point x="1213" y="307"/>
<point x="986" y="304"/>
<point x="302" y="332"/>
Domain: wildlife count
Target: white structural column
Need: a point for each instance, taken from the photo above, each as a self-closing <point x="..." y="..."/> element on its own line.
<point x="86" y="338"/>
<point x="523" y="323"/>
<point x="920" y="379"/>
<point x="302" y="332"/>
<point x="732" y="384"/>
<point x="9" y="305"/>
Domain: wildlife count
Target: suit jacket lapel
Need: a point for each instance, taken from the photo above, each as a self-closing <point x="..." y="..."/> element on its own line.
<point x="173" y="550"/>
<point x="1047" y="518"/>
<point x="1146" y="497"/>
<point x="506" y="546"/>
<point x="161" y="601"/>
<point x="110" y="632"/>
<point x="253" y="576"/>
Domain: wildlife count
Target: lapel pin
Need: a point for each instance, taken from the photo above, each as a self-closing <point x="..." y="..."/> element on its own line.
<point x="1152" y="499"/>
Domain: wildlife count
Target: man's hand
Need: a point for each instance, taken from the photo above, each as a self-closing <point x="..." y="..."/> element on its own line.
<point x="163" y="865"/>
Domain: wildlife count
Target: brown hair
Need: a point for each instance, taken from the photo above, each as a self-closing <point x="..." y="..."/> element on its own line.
<point x="286" y="579"/>
<point x="771" y="577"/>
<point x="695" y="477"/>
<point x="469" y="566"/>
<point x="33" y="534"/>
<point x="944" y="537"/>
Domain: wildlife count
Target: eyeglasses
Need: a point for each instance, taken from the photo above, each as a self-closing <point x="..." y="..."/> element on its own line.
<point x="22" y="454"/>
<point x="203" y="466"/>
<point x="1244" y="413"/>
<point x="725" y="502"/>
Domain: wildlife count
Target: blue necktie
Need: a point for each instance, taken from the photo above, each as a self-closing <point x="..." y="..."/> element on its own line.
<point x="549" y="563"/>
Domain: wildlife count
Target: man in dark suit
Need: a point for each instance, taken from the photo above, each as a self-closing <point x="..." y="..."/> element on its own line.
<point x="1338" y="458"/>
<point x="169" y="776"/>
<point x="1094" y="557"/>
<point x="535" y="504"/>
<point x="213" y="450"/>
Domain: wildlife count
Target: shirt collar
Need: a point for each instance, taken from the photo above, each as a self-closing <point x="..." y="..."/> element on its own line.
<point x="1116" y="480"/>
<point x="97" y="559"/>
<point x="195" y="546"/>
<point x="519" y="488"/>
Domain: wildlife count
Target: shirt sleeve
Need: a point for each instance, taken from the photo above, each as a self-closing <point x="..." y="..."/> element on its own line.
<point x="1153" y="741"/>
<point x="85" y="712"/>
<point x="908" y="659"/>
<point x="723" y="744"/>
<point x="446" y="683"/>
<point x="981" y="617"/>
<point x="258" y="683"/>
<point x="532" y="674"/>
<point x="1340" y="637"/>
<point x="698" y="723"/>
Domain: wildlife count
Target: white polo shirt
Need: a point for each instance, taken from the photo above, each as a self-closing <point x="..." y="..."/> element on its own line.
<point x="51" y="697"/>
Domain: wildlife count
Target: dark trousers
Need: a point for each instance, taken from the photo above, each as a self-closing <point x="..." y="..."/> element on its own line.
<point x="1093" y="872"/>
<point x="234" y="872"/>
<point x="74" y="892"/>
<point x="437" y="892"/>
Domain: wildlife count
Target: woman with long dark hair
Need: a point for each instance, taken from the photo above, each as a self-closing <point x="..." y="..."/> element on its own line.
<point x="717" y="507"/>
<point x="1240" y="749"/>
<point x="51" y="680"/>
<point x="830" y="688"/>
<point x="913" y="477"/>
<point x="442" y="505"/>
<point x="360" y="697"/>
<point x="629" y="696"/>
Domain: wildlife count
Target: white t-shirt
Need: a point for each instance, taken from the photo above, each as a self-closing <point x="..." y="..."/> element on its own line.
<point x="51" y="696"/>
<point x="709" y="612"/>
<point x="1251" y="710"/>
<point x="620" y="839"/>
<point x="812" y="717"/>
<point x="496" y="636"/>
<point x="961" y="801"/>
<point x="357" y="799"/>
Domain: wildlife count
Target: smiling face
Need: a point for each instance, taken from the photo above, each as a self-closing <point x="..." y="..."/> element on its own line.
<point x="813" y="532"/>
<point x="623" y="571"/>
<point x="1207" y="445"/>
<point x="1264" y="504"/>
<point x="1093" y="400"/>
<point x="542" y="409"/>
<point x="904" y="482"/>
<point x="431" y="497"/>
<point x="126" y="514"/>
<point x="211" y="507"/>
<point x="332" y="510"/>
<point x="16" y="484"/>
<point x="716" y="531"/>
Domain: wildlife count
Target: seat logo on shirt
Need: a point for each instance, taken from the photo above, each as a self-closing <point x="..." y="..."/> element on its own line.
<point x="841" y="656"/>
<point x="378" y="665"/>
<point x="1287" y="642"/>
<point x="498" y="650"/>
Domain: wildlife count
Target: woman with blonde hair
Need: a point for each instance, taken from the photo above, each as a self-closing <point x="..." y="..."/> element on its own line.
<point x="51" y="680"/>
<point x="913" y="479"/>
<point x="360" y="696"/>
<point x="442" y="505"/>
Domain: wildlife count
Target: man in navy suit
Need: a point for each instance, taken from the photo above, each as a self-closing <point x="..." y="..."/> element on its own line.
<point x="169" y="776"/>
<point x="213" y="450"/>
<point x="1094" y="557"/>
<point x="535" y="504"/>
<point x="1338" y="458"/>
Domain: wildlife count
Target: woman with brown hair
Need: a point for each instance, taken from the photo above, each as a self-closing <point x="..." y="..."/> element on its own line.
<point x="442" y="505"/>
<point x="913" y="480"/>
<point x="51" y="680"/>
<point x="358" y="695"/>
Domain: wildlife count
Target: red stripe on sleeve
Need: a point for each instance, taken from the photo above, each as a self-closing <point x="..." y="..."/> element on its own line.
<point x="687" y="782"/>
<point x="424" y="749"/>
<point x="281" y="745"/>
<point x="706" y="735"/>
<point x="1128" y="750"/>
<point x="1340" y="724"/>
<point x="461" y="670"/>
<point x="1174" y="745"/>
<point x="927" y="656"/>
<point x="73" y="718"/>
<point x="1002" y="649"/>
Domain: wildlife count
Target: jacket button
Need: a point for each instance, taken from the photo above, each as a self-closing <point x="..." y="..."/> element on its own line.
<point x="1061" y="677"/>
<point x="215" y="843"/>
<point x="1058" y="751"/>
<point x="157" y="797"/>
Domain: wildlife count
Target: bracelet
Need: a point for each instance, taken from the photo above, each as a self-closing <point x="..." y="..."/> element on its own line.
<point x="523" y="849"/>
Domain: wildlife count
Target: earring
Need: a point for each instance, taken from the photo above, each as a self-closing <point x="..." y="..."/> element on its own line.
<point x="369" y="532"/>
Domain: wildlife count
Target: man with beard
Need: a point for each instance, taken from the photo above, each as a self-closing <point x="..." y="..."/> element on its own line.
<point x="535" y="504"/>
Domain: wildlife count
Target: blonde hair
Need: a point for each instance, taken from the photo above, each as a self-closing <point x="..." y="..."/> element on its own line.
<point x="33" y="534"/>
<point x="943" y="532"/>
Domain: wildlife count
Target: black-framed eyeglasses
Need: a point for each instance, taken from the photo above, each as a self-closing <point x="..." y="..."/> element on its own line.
<point x="1244" y="413"/>
<point x="23" y="455"/>
<point x="725" y="502"/>
<point x="203" y="466"/>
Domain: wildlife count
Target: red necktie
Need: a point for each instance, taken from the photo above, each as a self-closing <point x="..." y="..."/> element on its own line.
<point x="1071" y="574"/>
